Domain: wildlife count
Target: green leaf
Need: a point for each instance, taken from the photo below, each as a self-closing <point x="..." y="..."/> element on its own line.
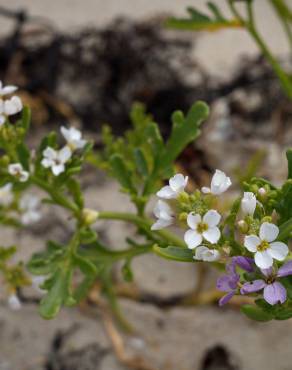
<point x="289" y="159"/>
<point x="23" y="155"/>
<point x="174" y="253"/>
<point x="141" y="162"/>
<point x="198" y="21"/>
<point x="184" y="131"/>
<point x="216" y="12"/>
<point x="87" y="236"/>
<point x="75" y="190"/>
<point x="59" y="293"/>
<point x="121" y="172"/>
<point x="256" y="313"/>
<point x="25" y="118"/>
<point x="85" y="265"/>
<point x="127" y="271"/>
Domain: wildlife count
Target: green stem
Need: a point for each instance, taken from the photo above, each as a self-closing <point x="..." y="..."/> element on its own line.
<point x="56" y="196"/>
<point x="143" y="223"/>
<point x="251" y="27"/>
<point x="279" y="9"/>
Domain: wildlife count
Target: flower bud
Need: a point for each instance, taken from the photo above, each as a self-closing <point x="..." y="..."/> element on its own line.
<point x="242" y="226"/>
<point x="183" y="197"/>
<point x="267" y="219"/>
<point x="262" y="194"/>
<point x="183" y="216"/>
<point x="248" y="203"/>
<point x="89" y="216"/>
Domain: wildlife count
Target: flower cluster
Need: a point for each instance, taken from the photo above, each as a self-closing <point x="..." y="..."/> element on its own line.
<point x="255" y="259"/>
<point x="8" y="106"/>
<point x="56" y="159"/>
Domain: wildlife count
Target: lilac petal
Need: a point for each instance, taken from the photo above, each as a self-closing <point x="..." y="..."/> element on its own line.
<point x="227" y="282"/>
<point x="252" y="286"/>
<point x="285" y="270"/>
<point x="226" y="298"/>
<point x="275" y="293"/>
<point x="267" y="272"/>
<point x="246" y="263"/>
<point x="231" y="267"/>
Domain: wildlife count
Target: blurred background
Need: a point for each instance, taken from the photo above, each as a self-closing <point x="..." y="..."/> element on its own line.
<point x="85" y="63"/>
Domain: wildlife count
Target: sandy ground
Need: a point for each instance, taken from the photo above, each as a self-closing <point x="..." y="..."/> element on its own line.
<point x="219" y="52"/>
<point x="174" y="339"/>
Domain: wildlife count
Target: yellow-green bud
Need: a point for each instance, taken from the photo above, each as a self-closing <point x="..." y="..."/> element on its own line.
<point x="242" y="226"/>
<point x="183" y="197"/>
<point x="267" y="219"/>
<point x="89" y="216"/>
<point x="183" y="216"/>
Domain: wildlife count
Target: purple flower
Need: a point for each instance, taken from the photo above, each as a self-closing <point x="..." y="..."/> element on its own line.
<point x="228" y="283"/>
<point x="274" y="291"/>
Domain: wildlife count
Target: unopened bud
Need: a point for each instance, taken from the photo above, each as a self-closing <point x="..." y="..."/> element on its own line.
<point x="183" y="197"/>
<point x="262" y="194"/>
<point x="183" y="216"/>
<point x="267" y="219"/>
<point x="242" y="226"/>
<point x="89" y="216"/>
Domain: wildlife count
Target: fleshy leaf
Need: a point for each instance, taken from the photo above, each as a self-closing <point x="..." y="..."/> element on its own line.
<point x="174" y="253"/>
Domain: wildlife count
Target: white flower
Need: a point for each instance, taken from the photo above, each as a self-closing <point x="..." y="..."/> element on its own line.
<point x="16" y="169"/>
<point x="264" y="246"/>
<point x="164" y="214"/>
<point x="73" y="138"/>
<point x="219" y="183"/>
<point x="6" y="195"/>
<point x="14" y="302"/>
<point x="205" y="254"/>
<point x="248" y="203"/>
<point x="177" y="184"/>
<point x="9" y="107"/>
<point x="29" y="206"/>
<point x="6" y="90"/>
<point x="202" y="228"/>
<point x="56" y="159"/>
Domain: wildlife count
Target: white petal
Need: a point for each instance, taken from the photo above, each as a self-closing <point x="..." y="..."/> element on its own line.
<point x="47" y="162"/>
<point x="206" y="190"/>
<point x="211" y="255"/>
<point x="14" y="302"/>
<point x="24" y="175"/>
<point x="79" y="144"/>
<point x="64" y="154"/>
<point x="50" y="153"/>
<point x="220" y="183"/>
<point x="248" y="203"/>
<point x="268" y="232"/>
<point x="200" y="252"/>
<point x="160" y="224"/>
<point x="14" y="168"/>
<point x="278" y="250"/>
<point x="251" y="242"/>
<point x="212" y="234"/>
<point x="162" y="210"/>
<point x="205" y="254"/>
<point x="212" y="218"/>
<point x="57" y="169"/>
<point x="2" y="119"/>
<point x="178" y="182"/>
<point x="166" y="193"/>
<point x="8" y="90"/>
<point x="193" y="220"/>
<point x="65" y="132"/>
<point x="12" y="106"/>
<point x="192" y="239"/>
<point x="263" y="260"/>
